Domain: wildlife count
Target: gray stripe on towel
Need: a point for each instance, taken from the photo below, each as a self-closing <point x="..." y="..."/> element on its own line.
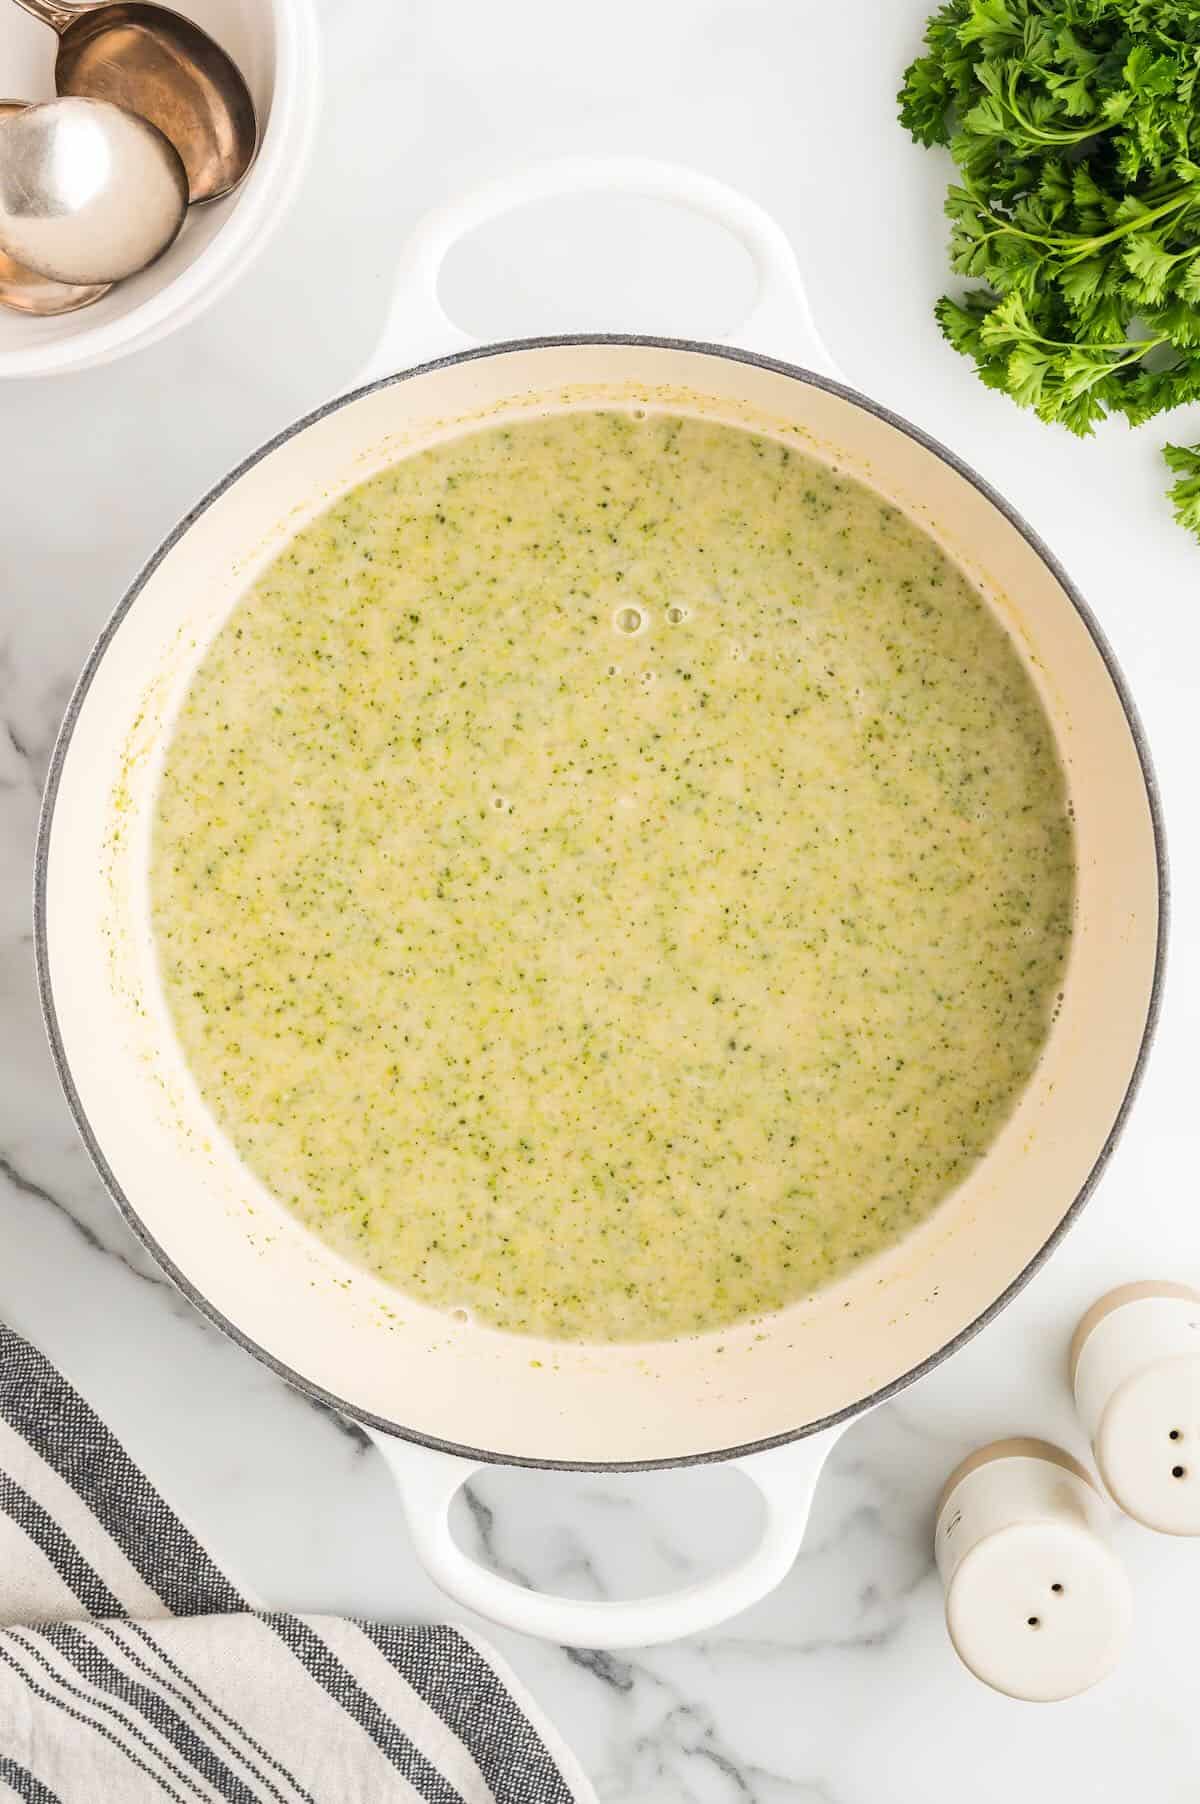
<point x="210" y="1703"/>
<point x="62" y="1553"/>
<point x="205" y="1703"/>
<point x="463" y="1690"/>
<point x="27" y="1788"/>
<point x="89" y="1722"/>
<point x="95" y="1666"/>
<point x="323" y="1665"/>
<point x="39" y="1403"/>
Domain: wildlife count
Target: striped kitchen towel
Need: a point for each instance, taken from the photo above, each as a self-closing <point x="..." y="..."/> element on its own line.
<point x="132" y="1670"/>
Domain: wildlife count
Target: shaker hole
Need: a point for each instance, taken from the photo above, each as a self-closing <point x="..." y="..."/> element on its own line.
<point x="1057" y="1590"/>
<point x="1178" y="1471"/>
<point x="1035" y="1622"/>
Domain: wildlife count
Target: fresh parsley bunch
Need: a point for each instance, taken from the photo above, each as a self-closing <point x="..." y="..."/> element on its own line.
<point x="1075" y="125"/>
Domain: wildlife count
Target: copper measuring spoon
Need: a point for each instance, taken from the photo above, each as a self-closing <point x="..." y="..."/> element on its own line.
<point x="154" y="62"/>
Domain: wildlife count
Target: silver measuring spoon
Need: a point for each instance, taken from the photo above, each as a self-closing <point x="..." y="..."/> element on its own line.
<point x="24" y="290"/>
<point x="88" y="192"/>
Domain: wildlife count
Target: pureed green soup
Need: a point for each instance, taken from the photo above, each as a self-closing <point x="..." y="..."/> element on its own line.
<point x="611" y="874"/>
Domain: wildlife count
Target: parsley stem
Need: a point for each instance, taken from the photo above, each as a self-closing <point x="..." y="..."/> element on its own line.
<point x="1038" y="133"/>
<point x="1137" y="351"/>
<point x="1136" y="347"/>
<point x="1087" y="247"/>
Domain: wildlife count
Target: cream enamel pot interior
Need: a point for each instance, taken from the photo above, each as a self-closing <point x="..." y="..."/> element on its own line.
<point x="438" y="1395"/>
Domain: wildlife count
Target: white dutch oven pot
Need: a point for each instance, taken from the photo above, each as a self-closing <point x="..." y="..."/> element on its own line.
<point x="437" y="1395"/>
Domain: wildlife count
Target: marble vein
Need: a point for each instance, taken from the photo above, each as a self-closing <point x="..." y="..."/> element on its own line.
<point x="29" y="1187"/>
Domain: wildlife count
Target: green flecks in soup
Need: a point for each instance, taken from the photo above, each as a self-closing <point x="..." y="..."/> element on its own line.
<point x="610" y="875"/>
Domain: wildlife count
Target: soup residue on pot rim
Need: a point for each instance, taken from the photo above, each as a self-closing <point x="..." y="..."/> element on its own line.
<point x="611" y="875"/>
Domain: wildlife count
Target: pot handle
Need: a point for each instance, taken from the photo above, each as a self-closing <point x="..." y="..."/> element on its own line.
<point x="417" y="330"/>
<point x="785" y="1478"/>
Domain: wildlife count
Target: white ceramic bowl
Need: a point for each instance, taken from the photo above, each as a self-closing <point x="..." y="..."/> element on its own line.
<point x="276" y="45"/>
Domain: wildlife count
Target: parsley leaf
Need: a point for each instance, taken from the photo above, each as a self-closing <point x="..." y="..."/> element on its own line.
<point x="1184" y="460"/>
<point x="1076" y="131"/>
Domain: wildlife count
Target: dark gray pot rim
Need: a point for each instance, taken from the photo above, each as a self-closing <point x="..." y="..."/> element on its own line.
<point x="344" y="1406"/>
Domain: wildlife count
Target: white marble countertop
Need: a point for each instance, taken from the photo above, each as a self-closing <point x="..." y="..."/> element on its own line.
<point x="841" y="1687"/>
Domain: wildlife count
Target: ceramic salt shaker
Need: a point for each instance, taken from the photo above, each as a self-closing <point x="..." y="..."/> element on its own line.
<point x="1037" y="1604"/>
<point x="1135" y="1368"/>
